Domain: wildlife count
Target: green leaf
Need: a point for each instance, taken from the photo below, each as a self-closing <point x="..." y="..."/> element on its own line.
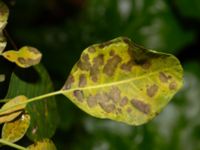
<point x="45" y="144"/>
<point x="4" y="12"/>
<point x="15" y="130"/>
<point x="26" y="56"/>
<point x="122" y="81"/>
<point x="12" y="113"/>
<point x="2" y="77"/>
<point x="33" y="82"/>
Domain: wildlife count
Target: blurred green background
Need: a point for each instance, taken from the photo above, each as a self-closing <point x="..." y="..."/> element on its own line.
<point x="61" y="29"/>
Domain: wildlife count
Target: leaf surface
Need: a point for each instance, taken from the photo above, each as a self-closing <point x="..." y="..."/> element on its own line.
<point x="45" y="144"/>
<point x="26" y="56"/>
<point x="4" y="12"/>
<point x="15" y="130"/>
<point x="122" y="81"/>
<point x="33" y="82"/>
<point x="2" y="77"/>
<point x="12" y="113"/>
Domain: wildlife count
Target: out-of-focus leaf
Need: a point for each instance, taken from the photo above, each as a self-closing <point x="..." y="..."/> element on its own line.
<point x="26" y="56"/>
<point x="189" y="8"/>
<point x="122" y="81"/>
<point x="2" y="77"/>
<point x="34" y="82"/>
<point x="45" y="144"/>
<point x="4" y="12"/>
<point x="12" y="113"/>
<point x="16" y="129"/>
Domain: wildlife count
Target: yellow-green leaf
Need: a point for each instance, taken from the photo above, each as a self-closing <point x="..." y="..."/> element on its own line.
<point x="45" y="144"/>
<point x="12" y="113"/>
<point x="2" y="77"/>
<point x="26" y="56"/>
<point x="4" y="12"/>
<point x="16" y="129"/>
<point x="122" y="81"/>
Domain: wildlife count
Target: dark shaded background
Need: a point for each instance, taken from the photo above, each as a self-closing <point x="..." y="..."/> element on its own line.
<point x="61" y="29"/>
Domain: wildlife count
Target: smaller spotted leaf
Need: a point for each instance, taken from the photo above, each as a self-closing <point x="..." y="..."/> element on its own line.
<point x="122" y="81"/>
<point x="12" y="113"/>
<point x="2" y="77"/>
<point x="45" y="144"/>
<point x="4" y="12"/>
<point x="26" y="56"/>
<point x="16" y="129"/>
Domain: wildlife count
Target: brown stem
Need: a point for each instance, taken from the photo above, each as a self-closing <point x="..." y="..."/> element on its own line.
<point x="10" y="39"/>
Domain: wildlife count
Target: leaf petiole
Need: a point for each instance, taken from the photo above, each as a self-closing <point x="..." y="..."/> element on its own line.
<point x="12" y="144"/>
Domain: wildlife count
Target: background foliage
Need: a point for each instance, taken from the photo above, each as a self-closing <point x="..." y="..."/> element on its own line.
<point x="61" y="29"/>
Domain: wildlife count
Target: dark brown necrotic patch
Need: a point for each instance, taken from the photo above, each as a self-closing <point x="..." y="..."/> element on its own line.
<point x="68" y="83"/>
<point x="107" y="107"/>
<point x="151" y="91"/>
<point x="172" y="85"/>
<point x="82" y="80"/>
<point x="98" y="60"/>
<point x="79" y="95"/>
<point x="111" y="65"/>
<point x="92" y="101"/>
<point x="105" y="44"/>
<point x="124" y="101"/>
<point x="141" y="106"/>
<point x="163" y="77"/>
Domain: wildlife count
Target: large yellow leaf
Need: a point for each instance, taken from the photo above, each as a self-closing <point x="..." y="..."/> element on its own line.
<point x="16" y="129"/>
<point x="122" y="81"/>
<point x="26" y="56"/>
<point x="45" y="144"/>
<point x="4" y="12"/>
<point x="12" y="113"/>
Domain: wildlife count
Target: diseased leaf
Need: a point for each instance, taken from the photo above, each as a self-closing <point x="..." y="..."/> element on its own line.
<point x="15" y="130"/>
<point x="4" y="12"/>
<point x="45" y="144"/>
<point x="122" y="81"/>
<point x="26" y="56"/>
<point x="12" y="113"/>
<point x="2" y="77"/>
<point x="32" y="82"/>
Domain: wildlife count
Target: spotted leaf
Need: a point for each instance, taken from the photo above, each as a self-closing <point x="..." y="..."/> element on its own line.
<point x="4" y="12"/>
<point x="26" y="56"/>
<point x="16" y="129"/>
<point x="12" y="113"/>
<point x="45" y="144"/>
<point x="122" y="81"/>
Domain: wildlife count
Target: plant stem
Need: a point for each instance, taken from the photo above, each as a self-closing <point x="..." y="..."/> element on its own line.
<point x="32" y="100"/>
<point x="12" y="144"/>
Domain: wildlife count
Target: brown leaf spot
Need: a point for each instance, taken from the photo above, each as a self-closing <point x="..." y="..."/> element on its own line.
<point x="84" y="63"/>
<point x="151" y="91"/>
<point x="21" y="60"/>
<point x="68" y="83"/>
<point x="127" y="40"/>
<point x="127" y="66"/>
<point x="79" y="95"/>
<point x="107" y="107"/>
<point x="82" y="80"/>
<point x="172" y="85"/>
<point x="129" y="110"/>
<point x="98" y="60"/>
<point x="163" y="77"/>
<point x="91" y="49"/>
<point x="146" y="65"/>
<point x="92" y="101"/>
<point x="114" y="94"/>
<point x="111" y="65"/>
<point x="124" y="101"/>
<point x="141" y="106"/>
<point x="33" y="50"/>
<point x="112" y="53"/>
<point x="106" y="44"/>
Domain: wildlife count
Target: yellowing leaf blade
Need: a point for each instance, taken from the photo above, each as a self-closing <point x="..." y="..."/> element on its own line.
<point x="12" y="113"/>
<point x="15" y="130"/>
<point x="122" y="81"/>
<point x="45" y="144"/>
<point x="26" y="56"/>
